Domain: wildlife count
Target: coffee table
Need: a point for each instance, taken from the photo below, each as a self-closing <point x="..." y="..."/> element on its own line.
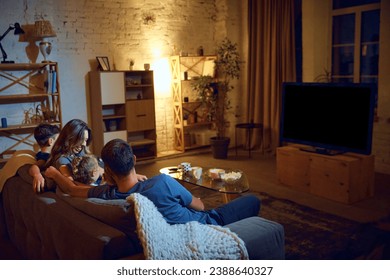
<point x="229" y="190"/>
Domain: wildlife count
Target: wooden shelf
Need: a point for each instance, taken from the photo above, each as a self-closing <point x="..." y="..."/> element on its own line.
<point x="24" y="126"/>
<point x="18" y="98"/>
<point x="113" y="117"/>
<point x="139" y="86"/>
<point x="24" y="66"/>
<point x="142" y="142"/>
<point x="198" y="124"/>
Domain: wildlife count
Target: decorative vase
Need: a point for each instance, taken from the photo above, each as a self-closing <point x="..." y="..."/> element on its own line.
<point x="219" y="147"/>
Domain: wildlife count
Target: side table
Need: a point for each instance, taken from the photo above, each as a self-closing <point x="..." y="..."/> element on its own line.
<point x="249" y="128"/>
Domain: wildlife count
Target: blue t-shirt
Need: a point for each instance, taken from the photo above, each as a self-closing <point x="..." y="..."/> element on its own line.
<point x="67" y="160"/>
<point x="42" y="156"/>
<point x="169" y="196"/>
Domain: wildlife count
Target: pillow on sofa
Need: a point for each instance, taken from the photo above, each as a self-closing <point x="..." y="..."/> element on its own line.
<point x="117" y="213"/>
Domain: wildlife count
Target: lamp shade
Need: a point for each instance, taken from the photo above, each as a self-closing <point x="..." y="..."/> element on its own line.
<point x="18" y="29"/>
<point x="43" y="29"/>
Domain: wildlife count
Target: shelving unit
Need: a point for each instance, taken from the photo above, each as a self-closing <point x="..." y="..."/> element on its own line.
<point x="192" y="128"/>
<point x="27" y="84"/>
<point x="122" y="106"/>
<point x="140" y="113"/>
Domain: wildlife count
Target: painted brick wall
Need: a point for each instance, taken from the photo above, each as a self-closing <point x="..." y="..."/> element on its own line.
<point x="146" y="31"/>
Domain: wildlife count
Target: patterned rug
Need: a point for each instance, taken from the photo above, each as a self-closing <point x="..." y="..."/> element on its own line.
<point x="315" y="235"/>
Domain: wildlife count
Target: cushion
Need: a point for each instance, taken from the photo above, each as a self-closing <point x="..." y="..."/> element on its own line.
<point x="117" y="213"/>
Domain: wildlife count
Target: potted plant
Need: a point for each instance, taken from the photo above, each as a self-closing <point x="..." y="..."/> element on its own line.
<point x="215" y="93"/>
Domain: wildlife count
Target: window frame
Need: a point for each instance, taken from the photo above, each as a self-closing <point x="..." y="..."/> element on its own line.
<point x="357" y="11"/>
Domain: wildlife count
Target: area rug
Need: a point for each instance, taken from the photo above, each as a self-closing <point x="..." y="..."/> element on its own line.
<point x="311" y="234"/>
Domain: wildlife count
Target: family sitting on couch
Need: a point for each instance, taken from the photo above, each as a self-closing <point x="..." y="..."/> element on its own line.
<point x="174" y="202"/>
<point x="79" y="174"/>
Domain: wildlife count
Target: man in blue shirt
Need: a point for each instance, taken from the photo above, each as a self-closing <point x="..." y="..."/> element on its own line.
<point x="174" y="201"/>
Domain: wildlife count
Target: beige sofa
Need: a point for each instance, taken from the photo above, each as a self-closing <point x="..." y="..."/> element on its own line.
<point x="53" y="225"/>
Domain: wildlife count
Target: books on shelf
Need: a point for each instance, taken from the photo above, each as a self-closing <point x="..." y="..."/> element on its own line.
<point x="51" y="81"/>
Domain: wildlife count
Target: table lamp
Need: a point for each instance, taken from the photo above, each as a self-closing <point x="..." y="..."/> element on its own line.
<point x="43" y="29"/>
<point x="18" y="30"/>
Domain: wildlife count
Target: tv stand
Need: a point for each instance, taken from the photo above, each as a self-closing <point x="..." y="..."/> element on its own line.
<point x="345" y="178"/>
<point x="321" y="151"/>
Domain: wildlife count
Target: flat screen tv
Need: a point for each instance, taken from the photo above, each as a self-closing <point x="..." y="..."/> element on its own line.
<point x="330" y="118"/>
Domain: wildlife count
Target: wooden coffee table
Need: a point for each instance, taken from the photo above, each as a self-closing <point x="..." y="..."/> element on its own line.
<point x="229" y="190"/>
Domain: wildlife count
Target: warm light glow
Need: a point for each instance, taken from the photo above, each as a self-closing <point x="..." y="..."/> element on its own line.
<point x="162" y="77"/>
<point x="156" y="52"/>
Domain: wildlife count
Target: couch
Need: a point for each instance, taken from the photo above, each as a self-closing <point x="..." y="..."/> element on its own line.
<point x="54" y="225"/>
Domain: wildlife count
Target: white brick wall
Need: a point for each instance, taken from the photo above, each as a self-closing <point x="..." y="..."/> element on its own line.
<point x="117" y="29"/>
<point x="120" y="30"/>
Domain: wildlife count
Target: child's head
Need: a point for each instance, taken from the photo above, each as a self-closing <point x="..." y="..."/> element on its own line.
<point x="85" y="169"/>
<point x="46" y="134"/>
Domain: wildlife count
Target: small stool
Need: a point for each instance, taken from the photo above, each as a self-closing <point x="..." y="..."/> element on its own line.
<point x="248" y="127"/>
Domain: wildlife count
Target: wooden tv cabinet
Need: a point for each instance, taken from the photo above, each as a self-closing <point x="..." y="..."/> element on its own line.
<point x="345" y="178"/>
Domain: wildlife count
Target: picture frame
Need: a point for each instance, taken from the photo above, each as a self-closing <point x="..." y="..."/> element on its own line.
<point x="104" y="63"/>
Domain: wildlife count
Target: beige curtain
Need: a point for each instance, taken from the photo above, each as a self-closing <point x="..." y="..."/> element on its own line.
<point x="271" y="62"/>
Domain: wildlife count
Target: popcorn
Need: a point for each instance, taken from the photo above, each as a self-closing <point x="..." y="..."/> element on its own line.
<point x="231" y="176"/>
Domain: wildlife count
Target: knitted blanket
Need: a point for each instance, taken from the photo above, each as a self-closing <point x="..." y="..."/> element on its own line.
<point x="190" y="241"/>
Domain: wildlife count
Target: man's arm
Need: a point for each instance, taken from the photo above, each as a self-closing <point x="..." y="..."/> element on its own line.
<point x="66" y="185"/>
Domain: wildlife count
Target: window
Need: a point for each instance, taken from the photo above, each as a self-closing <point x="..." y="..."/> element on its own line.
<point x="355" y="43"/>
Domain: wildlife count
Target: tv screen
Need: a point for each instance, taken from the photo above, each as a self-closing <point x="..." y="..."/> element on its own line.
<point x="329" y="117"/>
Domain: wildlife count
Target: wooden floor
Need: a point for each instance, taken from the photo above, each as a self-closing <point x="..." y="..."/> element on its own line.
<point x="261" y="172"/>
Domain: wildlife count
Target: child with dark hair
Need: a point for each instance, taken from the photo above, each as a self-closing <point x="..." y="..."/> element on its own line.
<point x="46" y="135"/>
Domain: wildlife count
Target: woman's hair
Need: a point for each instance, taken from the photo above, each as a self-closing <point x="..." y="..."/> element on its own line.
<point x="70" y="137"/>
<point x="83" y="168"/>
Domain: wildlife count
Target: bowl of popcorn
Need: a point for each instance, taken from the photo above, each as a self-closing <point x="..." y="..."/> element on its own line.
<point x="232" y="176"/>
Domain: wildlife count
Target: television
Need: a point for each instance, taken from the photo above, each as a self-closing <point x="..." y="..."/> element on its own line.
<point x="328" y="118"/>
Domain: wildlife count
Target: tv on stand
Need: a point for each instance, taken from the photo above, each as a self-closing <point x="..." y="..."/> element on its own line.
<point x="328" y="118"/>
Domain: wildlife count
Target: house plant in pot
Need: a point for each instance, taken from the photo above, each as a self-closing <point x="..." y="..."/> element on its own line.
<point x="215" y="93"/>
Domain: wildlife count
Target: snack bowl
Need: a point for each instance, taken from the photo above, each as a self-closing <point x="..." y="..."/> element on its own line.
<point x="216" y="173"/>
<point x="232" y="176"/>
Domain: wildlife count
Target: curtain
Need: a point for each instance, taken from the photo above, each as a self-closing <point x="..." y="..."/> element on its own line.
<point x="271" y="61"/>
